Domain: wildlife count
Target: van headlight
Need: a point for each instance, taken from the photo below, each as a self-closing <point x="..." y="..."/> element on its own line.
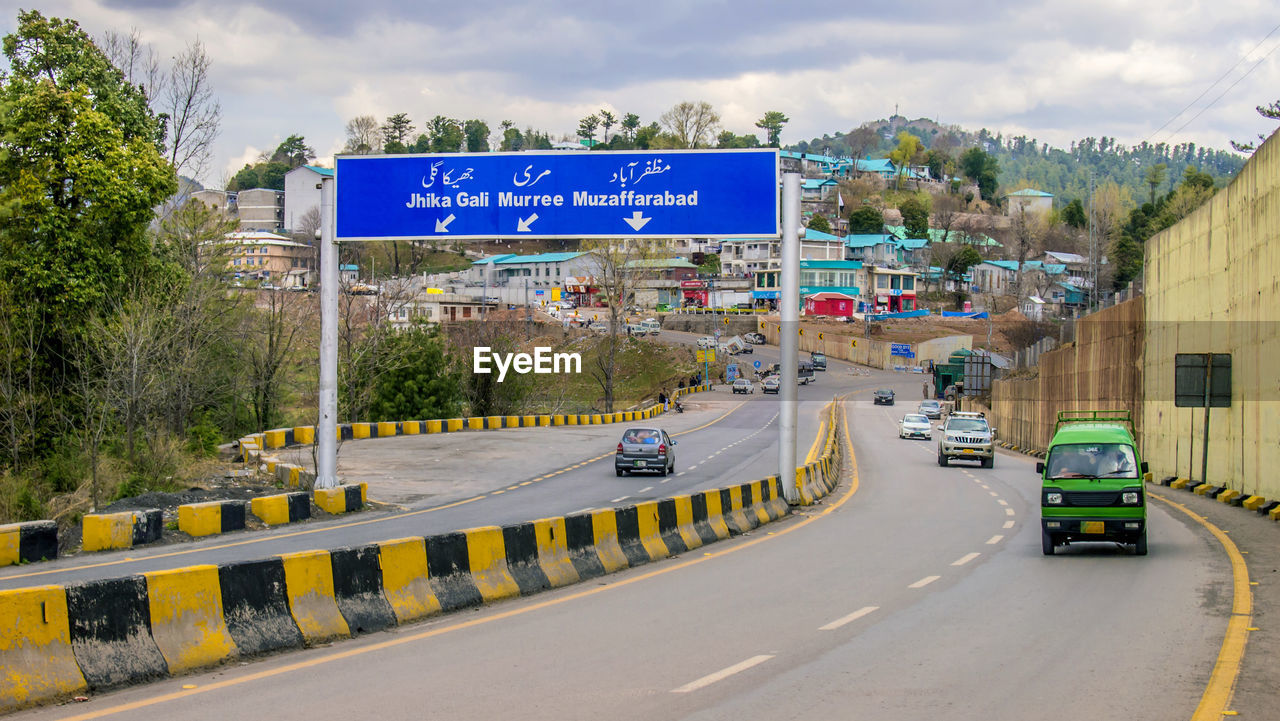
<point x="1053" y="499"/>
<point x="1130" y="498"/>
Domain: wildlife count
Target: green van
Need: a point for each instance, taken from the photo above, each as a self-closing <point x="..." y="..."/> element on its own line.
<point x="1092" y="482"/>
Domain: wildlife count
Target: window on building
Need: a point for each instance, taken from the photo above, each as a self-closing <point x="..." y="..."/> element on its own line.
<point x="882" y="281"/>
<point x="466" y="311"/>
<point x="908" y="283"/>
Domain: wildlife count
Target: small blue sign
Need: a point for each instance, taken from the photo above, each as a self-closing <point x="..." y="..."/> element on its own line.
<point x="652" y="194"/>
<point x="731" y="372"/>
<point x="756" y="364"/>
<point x="902" y="349"/>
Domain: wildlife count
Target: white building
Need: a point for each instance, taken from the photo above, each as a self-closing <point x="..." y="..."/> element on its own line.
<point x="1032" y="201"/>
<point x="302" y="193"/>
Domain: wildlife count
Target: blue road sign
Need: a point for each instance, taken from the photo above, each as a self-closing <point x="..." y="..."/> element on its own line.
<point x="656" y="194"/>
<point x="756" y="364"/>
<point x="902" y="349"/>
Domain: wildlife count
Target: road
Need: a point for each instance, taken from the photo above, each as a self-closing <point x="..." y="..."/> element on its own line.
<point x="433" y="484"/>
<point x="913" y="592"/>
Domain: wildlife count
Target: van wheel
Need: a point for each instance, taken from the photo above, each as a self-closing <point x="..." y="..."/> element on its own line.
<point x="942" y="460"/>
<point x="1046" y="543"/>
<point x="1140" y="548"/>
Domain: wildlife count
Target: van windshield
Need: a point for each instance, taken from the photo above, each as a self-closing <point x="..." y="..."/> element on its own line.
<point x="1092" y="460"/>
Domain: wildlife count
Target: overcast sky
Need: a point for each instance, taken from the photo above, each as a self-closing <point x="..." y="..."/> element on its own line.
<point x="1056" y="71"/>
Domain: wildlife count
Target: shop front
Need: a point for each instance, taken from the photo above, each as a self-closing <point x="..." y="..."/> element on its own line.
<point x="693" y="293"/>
<point x="580" y="290"/>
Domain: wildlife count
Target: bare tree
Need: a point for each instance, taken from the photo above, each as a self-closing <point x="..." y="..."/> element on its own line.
<point x="1024" y="237"/>
<point x="136" y="60"/>
<point x="620" y="266"/>
<point x="270" y="335"/>
<point x="190" y="110"/>
<point x="364" y="136"/>
<point x="693" y="125"/>
<point x="947" y="208"/>
<point x="862" y="140"/>
<point x="23" y="405"/>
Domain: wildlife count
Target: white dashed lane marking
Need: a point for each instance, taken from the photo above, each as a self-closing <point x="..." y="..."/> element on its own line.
<point x="849" y="619"/>
<point x="924" y="582"/>
<point x="1008" y="511"/>
<point x="646" y="489"/>
<point x="1002" y="502"/>
<point x="1008" y="524"/>
<point x="722" y="674"/>
<point x="995" y="539"/>
<point x="965" y="559"/>
<point x="619" y="500"/>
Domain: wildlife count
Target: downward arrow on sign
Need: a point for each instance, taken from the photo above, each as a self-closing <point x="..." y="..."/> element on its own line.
<point x="637" y="221"/>
<point x="522" y="225"/>
<point x="442" y="226"/>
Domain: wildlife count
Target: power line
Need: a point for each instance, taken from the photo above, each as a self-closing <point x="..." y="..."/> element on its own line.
<point x="1224" y="92"/>
<point x="1215" y="82"/>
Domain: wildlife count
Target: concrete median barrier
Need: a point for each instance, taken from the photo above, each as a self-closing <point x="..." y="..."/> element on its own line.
<point x="108" y="531"/>
<point x="90" y="636"/>
<point x="281" y="508"/>
<point x="211" y="518"/>
<point x="28" y="542"/>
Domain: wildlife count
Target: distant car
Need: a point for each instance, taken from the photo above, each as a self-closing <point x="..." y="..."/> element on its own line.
<point x="744" y="386"/>
<point x="804" y="373"/>
<point x="706" y="341"/>
<point x="819" y="361"/>
<point x="645" y="449"/>
<point x="915" y="425"/>
<point x="745" y="349"/>
<point x="651" y="326"/>
<point x="930" y="409"/>
<point x="883" y="397"/>
<point x="755" y="338"/>
<point x="770" y="384"/>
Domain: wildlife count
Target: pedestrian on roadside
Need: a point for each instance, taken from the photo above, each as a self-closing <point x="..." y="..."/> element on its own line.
<point x="924" y="388"/>
<point x="662" y="398"/>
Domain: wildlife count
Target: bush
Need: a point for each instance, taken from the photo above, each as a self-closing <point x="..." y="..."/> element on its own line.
<point x="65" y="469"/>
<point x="203" y="437"/>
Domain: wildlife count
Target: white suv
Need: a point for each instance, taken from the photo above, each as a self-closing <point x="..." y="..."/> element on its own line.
<point x="967" y="436"/>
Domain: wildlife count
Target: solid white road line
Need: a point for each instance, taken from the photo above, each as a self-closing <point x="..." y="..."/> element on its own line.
<point x="924" y="582"/>
<point x="721" y="675"/>
<point x="1008" y="524"/>
<point x="849" y="619"/>
<point x="995" y="539"/>
<point x="965" y="559"/>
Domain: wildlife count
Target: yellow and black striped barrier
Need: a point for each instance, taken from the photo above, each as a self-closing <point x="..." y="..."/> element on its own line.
<point x="28" y="542"/>
<point x="110" y="531"/>
<point x="211" y="518"/>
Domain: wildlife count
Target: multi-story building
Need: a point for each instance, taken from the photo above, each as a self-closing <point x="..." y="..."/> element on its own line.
<point x="891" y="289"/>
<point x="302" y="193"/>
<point x="260" y="209"/>
<point x="543" y="270"/>
<point x="269" y="258"/>
<point x="744" y="257"/>
<point x="832" y="276"/>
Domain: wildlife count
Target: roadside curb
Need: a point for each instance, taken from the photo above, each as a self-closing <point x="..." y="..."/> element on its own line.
<point x="1224" y="495"/>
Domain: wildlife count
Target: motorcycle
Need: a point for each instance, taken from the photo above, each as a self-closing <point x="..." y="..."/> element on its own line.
<point x="679" y="406"/>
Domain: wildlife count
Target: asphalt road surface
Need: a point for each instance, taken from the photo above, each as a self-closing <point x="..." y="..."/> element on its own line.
<point x="438" y="483"/>
<point x="912" y="592"/>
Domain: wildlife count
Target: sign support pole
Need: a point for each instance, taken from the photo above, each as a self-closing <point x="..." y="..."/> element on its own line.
<point x="1208" y="388"/>
<point x="327" y="422"/>
<point x="789" y="338"/>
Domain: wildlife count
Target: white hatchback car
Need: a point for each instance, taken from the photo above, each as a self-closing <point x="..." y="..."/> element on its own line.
<point x="915" y="425"/>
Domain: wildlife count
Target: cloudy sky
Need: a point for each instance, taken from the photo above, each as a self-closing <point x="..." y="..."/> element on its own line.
<point x="1056" y="71"/>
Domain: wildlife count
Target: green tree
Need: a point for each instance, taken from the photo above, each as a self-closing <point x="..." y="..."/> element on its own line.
<point x="420" y="382"/>
<point x="866" y="220"/>
<point x="727" y="139"/>
<point x="819" y="223"/>
<point x="710" y="264"/>
<point x="477" y="135"/>
<point x="587" y="128"/>
<point x="445" y="135"/>
<point x="1155" y="176"/>
<point x="80" y="172"/>
<point x="982" y="168"/>
<point x="1073" y="214"/>
<point x="630" y="124"/>
<point x="607" y="120"/>
<point x="772" y="123"/>
<point x="915" y="216"/>
<point x="907" y="153"/>
<point x="397" y="132"/>
<point x="293" y="152"/>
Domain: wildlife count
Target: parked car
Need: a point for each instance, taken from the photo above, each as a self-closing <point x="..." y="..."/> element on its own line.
<point x="753" y="337"/>
<point x="819" y="361"/>
<point x="770" y="384"/>
<point x="706" y="341"/>
<point x="744" y="386"/>
<point x="645" y="449"/>
<point x="930" y="409"/>
<point x="915" y="425"/>
<point x="883" y="397"/>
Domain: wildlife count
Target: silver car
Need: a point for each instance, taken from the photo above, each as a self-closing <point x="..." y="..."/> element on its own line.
<point x="645" y="449"/>
<point x="915" y="425"/>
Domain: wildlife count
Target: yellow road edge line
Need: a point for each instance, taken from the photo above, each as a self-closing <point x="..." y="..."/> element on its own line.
<point x="1226" y="670"/>
<point x="351" y="653"/>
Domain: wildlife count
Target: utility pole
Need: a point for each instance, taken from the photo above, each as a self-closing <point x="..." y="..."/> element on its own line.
<point x="789" y="337"/>
<point x="528" y="312"/>
<point x="327" y="422"/>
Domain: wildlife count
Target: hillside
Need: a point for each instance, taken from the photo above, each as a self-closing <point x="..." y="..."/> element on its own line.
<point x="1026" y="162"/>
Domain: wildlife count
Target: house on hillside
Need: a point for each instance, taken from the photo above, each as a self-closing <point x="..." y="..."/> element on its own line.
<point x="891" y="289"/>
<point x="875" y="249"/>
<point x="1028" y="200"/>
<point x="302" y="193"/>
<point x="543" y="270"/>
<point x="269" y="258"/>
